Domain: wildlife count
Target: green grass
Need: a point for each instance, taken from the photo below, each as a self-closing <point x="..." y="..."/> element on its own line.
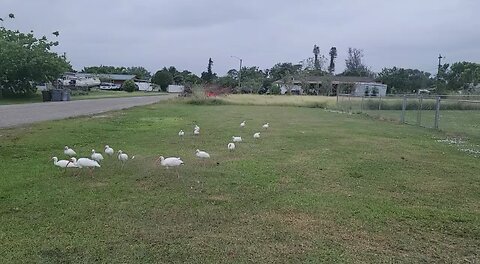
<point x="462" y="123"/>
<point x="280" y="100"/>
<point x="93" y="94"/>
<point x="317" y="187"/>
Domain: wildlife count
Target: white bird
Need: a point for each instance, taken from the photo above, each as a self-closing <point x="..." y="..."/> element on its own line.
<point x="196" y="132"/>
<point x="123" y="157"/>
<point x="170" y="162"/>
<point x="236" y="139"/>
<point x="181" y="133"/>
<point x="231" y="146"/>
<point x="196" y="127"/>
<point x="202" y="154"/>
<point x="266" y="126"/>
<point x="242" y="124"/>
<point x="69" y="152"/>
<point x="256" y="135"/>
<point x="108" y="150"/>
<point x="85" y="163"/>
<point x="63" y="163"/>
<point x="96" y="156"/>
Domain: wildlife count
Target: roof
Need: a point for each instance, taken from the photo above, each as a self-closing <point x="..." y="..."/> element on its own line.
<point x="341" y="79"/>
<point x="117" y="77"/>
<point x="335" y="79"/>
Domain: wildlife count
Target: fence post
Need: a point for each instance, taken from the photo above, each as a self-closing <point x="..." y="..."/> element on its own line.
<point x="349" y="103"/>
<point x="419" y="110"/>
<point x="361" y="106"/>
<point x="404" y="107"/>
<point x="437" y="112"/>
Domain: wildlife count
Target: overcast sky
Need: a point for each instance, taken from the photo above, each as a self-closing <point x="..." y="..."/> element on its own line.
<point x="158" y="33"/>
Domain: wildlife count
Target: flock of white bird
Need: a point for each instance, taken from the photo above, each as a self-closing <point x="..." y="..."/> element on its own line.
<point x="92" y="162"/>
<point x="169" y="162"/>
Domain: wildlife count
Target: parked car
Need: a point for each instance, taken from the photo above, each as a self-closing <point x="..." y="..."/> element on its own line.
<point x="109" y="86"/>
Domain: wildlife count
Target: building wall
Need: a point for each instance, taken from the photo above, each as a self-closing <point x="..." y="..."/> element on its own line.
<point x="144" y="86"/>
<point x="175" y="88"/>
<point x="360" y="88"/>
<point x="283" y="89"/>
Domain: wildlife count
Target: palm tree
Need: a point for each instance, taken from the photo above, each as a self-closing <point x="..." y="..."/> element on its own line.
<point x="316" y="51"/>
<point x="333" y="55"/>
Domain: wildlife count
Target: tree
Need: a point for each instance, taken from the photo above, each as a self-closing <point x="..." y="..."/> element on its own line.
<point x="163" y="79"/>
<point x="316" y="51"/>
<point x="129" y="86"/>
<point x="400" y="80"/>
<point x="190" y="78"/>
<point x="25" y="60"/>
<point x="227" y="81"/>
<point x="140" y="72"/>
<point x="209" y="76"/>
<point x="462" y="76"/>
<point x="354" y="65"/>
<point x="333" y="55"/>
<point x="279" y="70"/>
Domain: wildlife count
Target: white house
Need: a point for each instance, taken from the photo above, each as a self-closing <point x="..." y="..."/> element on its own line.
<point x="175" y="88"/>
<point x="356" y="86"/>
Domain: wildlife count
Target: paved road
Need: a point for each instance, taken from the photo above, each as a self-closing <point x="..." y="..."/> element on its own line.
<point x="14" y="115"/>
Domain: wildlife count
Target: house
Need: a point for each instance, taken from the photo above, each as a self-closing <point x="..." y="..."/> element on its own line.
<point x="116" y="79"/>
<point x="80" y="80"/>
<point x="175" y="88"/>
<point x="356" y="86"/>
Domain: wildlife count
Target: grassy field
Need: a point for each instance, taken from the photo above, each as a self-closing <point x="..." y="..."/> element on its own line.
<point x="455" y="122"/>
<point x="93" y="94"/>
<point x="317" y="187"/>
<point x="280" y="100"/>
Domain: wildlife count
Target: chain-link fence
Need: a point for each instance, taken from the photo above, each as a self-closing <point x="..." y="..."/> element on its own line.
<point x="456" y="115"/>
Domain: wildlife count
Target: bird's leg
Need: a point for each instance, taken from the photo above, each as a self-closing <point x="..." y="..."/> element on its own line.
<point x="123" y="164"/>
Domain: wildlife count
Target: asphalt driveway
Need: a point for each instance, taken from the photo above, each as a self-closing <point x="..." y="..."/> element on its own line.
<point x="15" y="115"/>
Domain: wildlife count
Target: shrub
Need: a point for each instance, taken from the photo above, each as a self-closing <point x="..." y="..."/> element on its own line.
<point x="275" y="89"/>
<point x="129" y="86"/>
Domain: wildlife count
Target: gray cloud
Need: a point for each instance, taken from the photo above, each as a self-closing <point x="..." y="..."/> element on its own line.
<point x="185" y="33"/>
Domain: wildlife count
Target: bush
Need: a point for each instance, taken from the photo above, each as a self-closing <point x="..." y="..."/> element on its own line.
<point x="163" y="78"/>
<point x="129" y="86"/>
<point x="275" y="89"/>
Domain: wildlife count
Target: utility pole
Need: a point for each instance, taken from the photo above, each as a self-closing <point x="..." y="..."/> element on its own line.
<point x="438" y="71"/>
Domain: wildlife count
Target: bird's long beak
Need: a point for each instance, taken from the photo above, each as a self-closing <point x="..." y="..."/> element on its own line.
<point x="156" y="161"/>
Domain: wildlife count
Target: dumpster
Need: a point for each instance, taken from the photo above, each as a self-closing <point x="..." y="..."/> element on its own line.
<point x="65" y="95"/>
<point x="47" y="95"/>
<point x="57" y="95"/>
